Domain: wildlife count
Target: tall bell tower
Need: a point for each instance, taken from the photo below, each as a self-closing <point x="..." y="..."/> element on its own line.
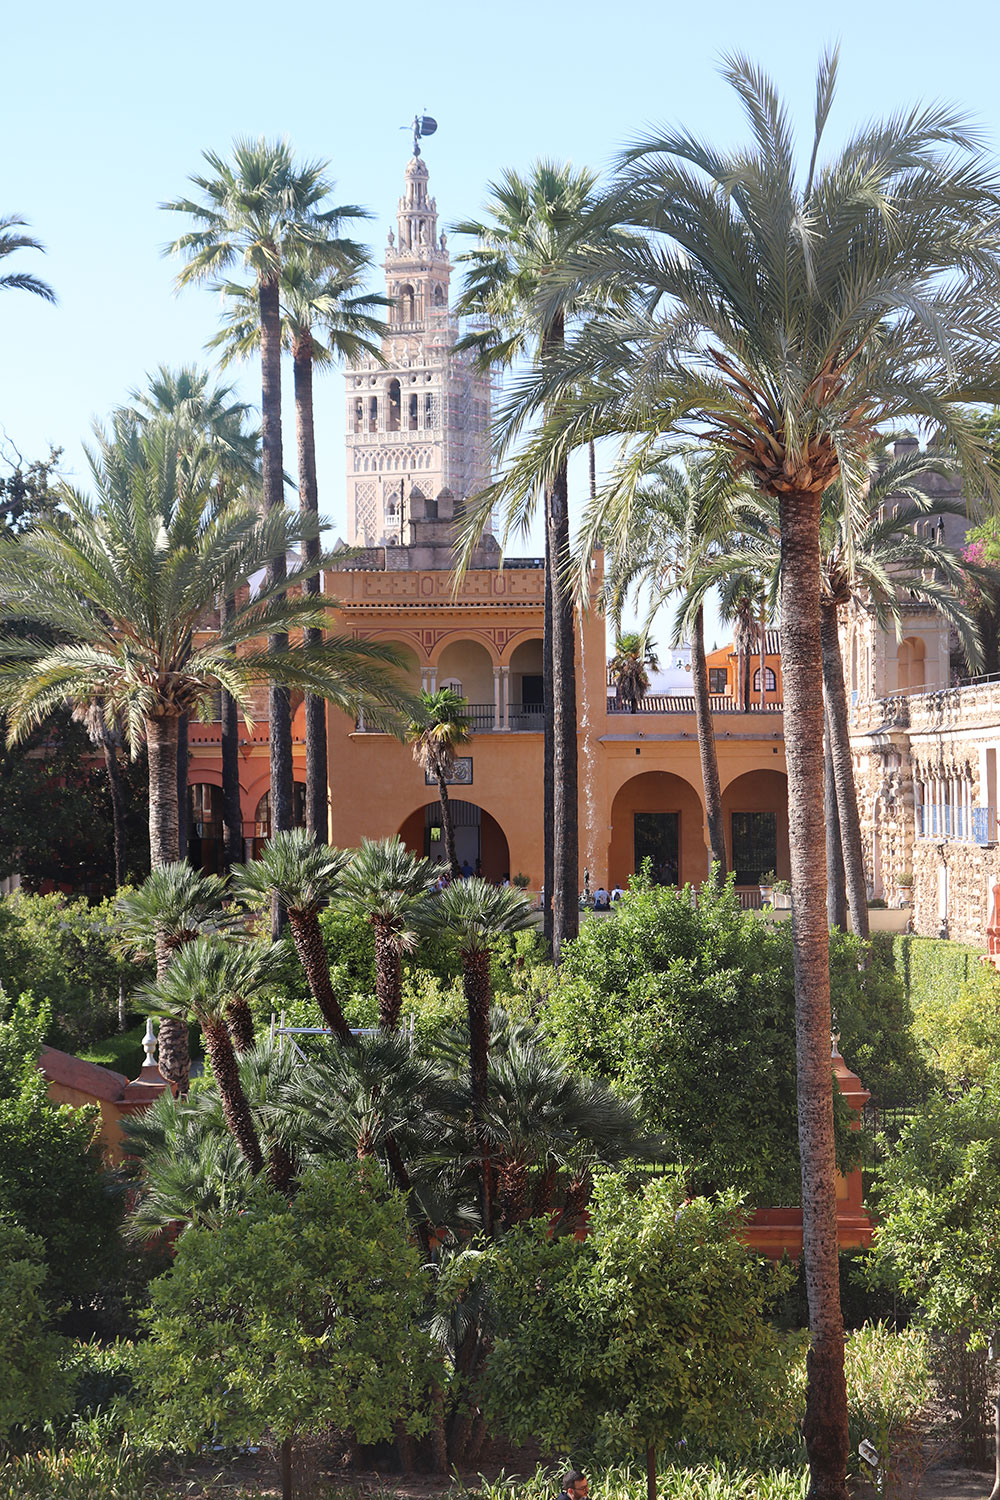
<point x="420" y="424"/>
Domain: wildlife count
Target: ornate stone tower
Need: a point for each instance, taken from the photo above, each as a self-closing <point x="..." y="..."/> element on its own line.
<point x="420" y="424"/>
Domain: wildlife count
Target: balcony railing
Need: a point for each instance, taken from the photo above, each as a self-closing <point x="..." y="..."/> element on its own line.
<point x="683" y="703"/>
<point x="977" y="825"/>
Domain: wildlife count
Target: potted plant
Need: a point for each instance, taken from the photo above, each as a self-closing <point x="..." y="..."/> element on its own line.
<point x="522" y="881"/>
<point x="767" y="887"/>
<point x="905" y="884"/>
<point x="782" y="895"/>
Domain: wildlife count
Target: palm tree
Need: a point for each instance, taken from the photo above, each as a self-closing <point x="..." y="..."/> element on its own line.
<point x="536" y="223"/>
<point x="174" y="905"/>
<point x="255" y="210"/>
<point x="660" y="528"/>
<point x="213" y="427"/>
<point x="474" y="914"/>
<point x="326" y="320"/>
<point x="201" y="980"/>
<point x="9" y="242"/>
<point x="303" y="876"/>
<point x="872" y="554"/>
<point x="125" y="586"/>
<point x="390" y="885"/>
<point x="443" y="728"/>
<point x="785" y="317"/>
<point x="635" y="657"/>
<point x="107" y="738"/>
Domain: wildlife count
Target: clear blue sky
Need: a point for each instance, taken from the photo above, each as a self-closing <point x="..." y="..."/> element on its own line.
<point x="108" y="107"/>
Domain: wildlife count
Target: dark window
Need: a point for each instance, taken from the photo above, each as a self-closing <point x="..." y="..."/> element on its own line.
<point x="718" y="678"/>
<point x="755" y="845"/>
<point x="656" y="839"/>
<point x="770" y="681"/>
<point x="532" y="690"/>
<point x="392" y="415"/>
<point x="413" y="413"/>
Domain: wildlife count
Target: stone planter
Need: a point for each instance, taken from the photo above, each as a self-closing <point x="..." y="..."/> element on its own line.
<point x="887" y="919"/>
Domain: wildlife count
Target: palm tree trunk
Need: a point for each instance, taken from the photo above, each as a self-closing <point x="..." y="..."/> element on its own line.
<point x="825" y="1427"/>
<point x="763" y="657"/>
<point x="548" y="755"/>
<point x="478" y="994"/>
<point x="118" y="826"/>
<point x="566" y="859"/>
<point x="836" y="890"/>
<point x="232" y="810"/>
<point x="843" y="772"/>
<point x="388" y="980"/>
<point x="235" y="1108"/>
<point x="279" y="703"/>
<point x="161" y="746"/>
<point x="447" y="826"/>
<point x="706" y="749"/>
<point x="241" y="1027"/>
<point x="317" y="815"/>
<point x="308" y="939"/>
<point x="183" y="760"/>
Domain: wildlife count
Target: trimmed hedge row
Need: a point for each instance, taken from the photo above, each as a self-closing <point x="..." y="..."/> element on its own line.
<point x="930" y="969"/>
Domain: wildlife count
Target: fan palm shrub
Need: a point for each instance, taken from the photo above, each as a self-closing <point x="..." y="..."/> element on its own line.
<point x="442" y="727"/>
<point x="174" y="905"/>
<point x="633" y="660"/>
<point x="202" y="981"/>
<point x="303" y="876"/>
<point x="473" y="914"/>
<point x="389" y="885"/>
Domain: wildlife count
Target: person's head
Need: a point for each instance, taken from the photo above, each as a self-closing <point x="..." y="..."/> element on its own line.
<point x="576" y="1485"/>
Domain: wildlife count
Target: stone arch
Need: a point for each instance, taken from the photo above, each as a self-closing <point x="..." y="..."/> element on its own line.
<point x="911" y="655"/>
<point x="755" y="820"/>
<point x="526" y="698"/>
<point x="660" y="815"/>
<point x="470" y="662"/>
<point x="479" y="838"/>
<point x="205" y="821"/>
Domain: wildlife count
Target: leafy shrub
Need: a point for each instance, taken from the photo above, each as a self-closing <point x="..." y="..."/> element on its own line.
<point x="661" y="1287"/>
<point x="689" y="1005"/>
<point x="875" y="1019"/>
<point x="34" y="1386"/>
<point x="52" y="1174"/>
<point x="305" y="1314"/>
<point x="960" y="1027"/>
<point x="65" y="952"/>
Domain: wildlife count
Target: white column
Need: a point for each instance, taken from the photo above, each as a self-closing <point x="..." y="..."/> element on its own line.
<point x="505" y="697"/>
<point x="497" y="700"/>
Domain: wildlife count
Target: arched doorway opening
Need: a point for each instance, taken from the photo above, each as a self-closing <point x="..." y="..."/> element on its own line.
<point x="480" y="842"/>
<point x="755" y="818"/>
<point x="262" y="818"/>
<point x="910" y="670"/>
<point x="204" y="849"/>
<point x="658" y="816"/>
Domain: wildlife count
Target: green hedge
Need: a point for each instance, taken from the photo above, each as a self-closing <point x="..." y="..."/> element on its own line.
<point x="929" y="967"/>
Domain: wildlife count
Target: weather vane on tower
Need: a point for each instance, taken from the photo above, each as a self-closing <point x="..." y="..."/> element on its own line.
<point x="422" y="125"/>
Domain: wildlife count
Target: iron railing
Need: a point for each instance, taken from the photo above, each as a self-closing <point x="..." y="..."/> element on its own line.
<point x="683" y="703"/>
<point x="977" y="825"/>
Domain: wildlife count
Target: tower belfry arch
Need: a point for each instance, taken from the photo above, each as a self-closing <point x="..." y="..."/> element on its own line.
<point x="421" y="420"/>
